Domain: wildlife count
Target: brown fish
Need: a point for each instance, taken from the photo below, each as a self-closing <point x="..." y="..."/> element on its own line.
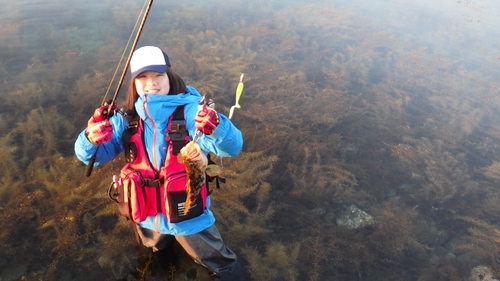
<point x="196" y="163"/>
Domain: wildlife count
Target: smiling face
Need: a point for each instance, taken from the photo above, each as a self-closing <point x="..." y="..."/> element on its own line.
<point x="151" y="82"/>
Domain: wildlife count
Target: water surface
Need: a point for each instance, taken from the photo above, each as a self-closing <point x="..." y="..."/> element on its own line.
<point x="390" y="106"/>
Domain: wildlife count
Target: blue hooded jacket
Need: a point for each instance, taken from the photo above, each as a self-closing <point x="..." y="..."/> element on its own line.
<point x="155" y="111"/>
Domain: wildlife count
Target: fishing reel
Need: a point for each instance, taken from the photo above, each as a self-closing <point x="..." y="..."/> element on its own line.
<point x="106" y="111"/>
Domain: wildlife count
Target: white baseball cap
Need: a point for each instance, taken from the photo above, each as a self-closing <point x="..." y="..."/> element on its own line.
<point x="148" y="58"/>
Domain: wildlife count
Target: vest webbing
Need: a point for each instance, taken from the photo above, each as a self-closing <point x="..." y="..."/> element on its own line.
<point x="150" y="184"/>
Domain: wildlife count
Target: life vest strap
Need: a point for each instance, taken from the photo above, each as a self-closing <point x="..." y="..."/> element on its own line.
<point x="152" y="182"/>
<point x="177" y="133"/>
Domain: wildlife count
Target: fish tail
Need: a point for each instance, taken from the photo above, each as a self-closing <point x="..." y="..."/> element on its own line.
<point x="189" y="198"/>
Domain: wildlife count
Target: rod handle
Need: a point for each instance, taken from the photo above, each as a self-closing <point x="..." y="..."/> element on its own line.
<point x="90" y="166"/>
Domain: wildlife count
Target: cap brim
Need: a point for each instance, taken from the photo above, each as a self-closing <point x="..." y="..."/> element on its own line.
<point x="155" y="68"/>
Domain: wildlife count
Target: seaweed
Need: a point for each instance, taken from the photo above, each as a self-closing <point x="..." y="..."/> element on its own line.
<point x="339" y="108"/>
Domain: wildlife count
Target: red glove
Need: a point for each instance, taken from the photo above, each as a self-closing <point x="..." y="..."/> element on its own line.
<point x="99" y="128"/>
<point x="207" y="120"/>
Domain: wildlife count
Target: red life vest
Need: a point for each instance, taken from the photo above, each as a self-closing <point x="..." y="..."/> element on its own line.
<point x="141" y="190"/>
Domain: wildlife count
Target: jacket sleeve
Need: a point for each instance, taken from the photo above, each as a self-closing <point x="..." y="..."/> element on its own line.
<point x="226" y="140"/>
<point x="105" y="152"/>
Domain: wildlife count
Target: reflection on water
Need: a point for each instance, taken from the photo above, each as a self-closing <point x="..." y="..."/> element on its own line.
<point x="390" y="106"/>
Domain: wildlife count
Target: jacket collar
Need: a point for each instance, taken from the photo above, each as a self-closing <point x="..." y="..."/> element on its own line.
<point x="160" y="107"/>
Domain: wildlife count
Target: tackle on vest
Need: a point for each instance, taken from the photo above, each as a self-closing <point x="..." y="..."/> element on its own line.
<point x="141" y="191"/>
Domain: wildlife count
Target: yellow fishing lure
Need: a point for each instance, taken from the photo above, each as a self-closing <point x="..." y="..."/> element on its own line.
<point x="239" y="90"/>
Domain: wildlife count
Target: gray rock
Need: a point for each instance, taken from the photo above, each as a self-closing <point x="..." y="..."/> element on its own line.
<point x="353" y="218"/>
<point x="482" y="273"/>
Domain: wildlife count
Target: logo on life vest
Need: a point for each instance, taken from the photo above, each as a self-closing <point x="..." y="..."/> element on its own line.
<point x="180" y="208"/>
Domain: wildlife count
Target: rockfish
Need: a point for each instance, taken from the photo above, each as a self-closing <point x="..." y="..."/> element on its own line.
<point x="195" y="162"/>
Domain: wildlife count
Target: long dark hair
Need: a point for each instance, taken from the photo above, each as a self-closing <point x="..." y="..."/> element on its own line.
<point x="177" y="86"/>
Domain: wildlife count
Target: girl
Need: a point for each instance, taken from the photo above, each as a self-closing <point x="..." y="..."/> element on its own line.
<point x="156" y="94"/>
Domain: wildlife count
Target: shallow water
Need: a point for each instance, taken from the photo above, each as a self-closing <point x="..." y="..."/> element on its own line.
<point x="390" y="105"/>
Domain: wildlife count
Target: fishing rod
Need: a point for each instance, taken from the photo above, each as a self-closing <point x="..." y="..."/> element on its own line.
<point x="111" y="104"/>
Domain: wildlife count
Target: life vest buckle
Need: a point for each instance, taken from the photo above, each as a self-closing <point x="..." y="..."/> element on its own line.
<point x="177" y="131"/>
<point x="177" y="134"/>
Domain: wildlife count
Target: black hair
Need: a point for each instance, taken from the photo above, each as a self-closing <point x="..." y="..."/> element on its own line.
<point x="177" y="86"/>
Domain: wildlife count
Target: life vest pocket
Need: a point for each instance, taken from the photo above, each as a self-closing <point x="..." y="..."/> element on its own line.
<point x="175" y="188"/>
<point x="130" y="195"/>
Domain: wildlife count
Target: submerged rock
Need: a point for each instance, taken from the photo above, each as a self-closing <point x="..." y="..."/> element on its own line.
<point x="353" y="218"/>
<point x="482" y="273"/>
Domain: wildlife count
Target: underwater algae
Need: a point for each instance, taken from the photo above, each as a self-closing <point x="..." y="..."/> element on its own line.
<point x="337" y="110"/>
